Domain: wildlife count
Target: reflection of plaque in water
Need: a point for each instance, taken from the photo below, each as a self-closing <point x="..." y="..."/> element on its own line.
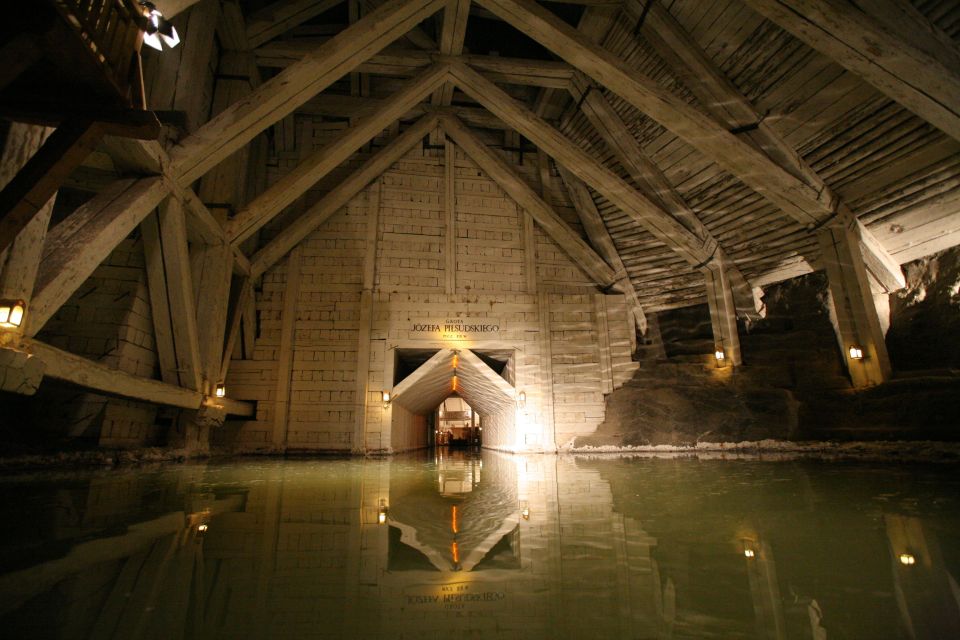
<point x="461" y="595"/>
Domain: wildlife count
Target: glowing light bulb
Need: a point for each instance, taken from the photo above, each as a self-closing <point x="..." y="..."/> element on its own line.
<point x="719" y="355"/>
<point x="907" y="559"/>
<point x="221" y="390"/>
<point x="856" y="353"/>
<point x="749" y="553"/>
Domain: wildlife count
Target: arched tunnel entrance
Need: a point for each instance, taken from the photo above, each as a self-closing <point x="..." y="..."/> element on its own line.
<point x="474" y="390"/>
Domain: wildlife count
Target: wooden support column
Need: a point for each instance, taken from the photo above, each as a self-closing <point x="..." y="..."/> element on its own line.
<point x="180" y="293"/>
<point x="528" y="234"/>
<point x="362" y="392"/>
<point x="603" y="342"/>
<point x="20" y="262"/>
<point x="452" y="33"/>
<point x="723" y="311"/>
<point x="601" y="240"/>
<point x="159" y="301"/>
<point x="450" y="216"/>
<point x="549" y="433"/>
<point x="857" y="322"/>
<point x="234" y="329"/>
<point x="288" y="321"/>
<point x="222" y="190"/>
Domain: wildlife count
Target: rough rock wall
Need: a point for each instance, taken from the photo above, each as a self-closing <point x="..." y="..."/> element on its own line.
<point x="926" y="315"/>
<point x="793" y="385"/>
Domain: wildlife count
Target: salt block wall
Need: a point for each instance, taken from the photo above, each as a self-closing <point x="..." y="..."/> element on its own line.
<point x="109" y="321"/>
<point x="571" y="343"/>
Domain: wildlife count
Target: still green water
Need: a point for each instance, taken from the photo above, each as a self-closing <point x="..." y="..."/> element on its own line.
<point x="457" y="545"/>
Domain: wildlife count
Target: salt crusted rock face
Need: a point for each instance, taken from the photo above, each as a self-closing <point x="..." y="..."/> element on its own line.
<point x="926" y="315"/>
<point x="793" y="386"/>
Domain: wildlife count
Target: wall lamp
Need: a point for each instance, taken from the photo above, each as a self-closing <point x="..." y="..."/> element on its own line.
<point x="220" y="390"/>
<point x="856" y="353"/>
<point x="11" y="313"/>
<point x="719" y="355"/>
<point x="522" y="399"/>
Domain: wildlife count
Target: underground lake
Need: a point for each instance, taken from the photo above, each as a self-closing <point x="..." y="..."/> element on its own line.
<point x="459" y="544"/>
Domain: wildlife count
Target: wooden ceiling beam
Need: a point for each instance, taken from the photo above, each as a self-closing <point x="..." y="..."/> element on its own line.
<point x="281" y="16"/>
<point x="881" y="44"/>
<point x="236" y="125"/>
<point x="400" y="62"/>
<point x="699" y="130"/>
<point x="76" y="247"/>
<point x="601" y="240"/>
<point x="584" y="166"/>
<point x="291" y="186"/>
<point x="725" y="102"/>
<point x="654" y="184"/>
<point x="340" y="106"/>
<point x="543" y="214"/>
<point x="339" y="196"/>
<point x="78" y="370"/>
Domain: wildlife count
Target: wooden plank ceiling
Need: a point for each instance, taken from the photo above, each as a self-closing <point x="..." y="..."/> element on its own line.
<point x="827" y="138"/>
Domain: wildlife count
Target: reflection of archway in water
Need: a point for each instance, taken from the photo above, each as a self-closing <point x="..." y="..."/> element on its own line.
<point x="428" y="381"/>
<point x="484" y="528"/>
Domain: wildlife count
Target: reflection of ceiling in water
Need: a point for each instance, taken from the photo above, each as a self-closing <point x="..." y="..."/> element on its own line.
<point x="457" y="524"/>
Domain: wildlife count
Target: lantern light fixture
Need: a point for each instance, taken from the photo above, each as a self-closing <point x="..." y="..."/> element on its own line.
<point x="385" y="396"/>
<point x="720" y="355"/>
<point x="856" y="352"/>
<point x="749" y="553"/>
<point x="522" y="399"/>
<point x="11" y="313"/>
<point x="382" y="511"/>
<point x="907" y="559"/>
<point x="220" y="390"/>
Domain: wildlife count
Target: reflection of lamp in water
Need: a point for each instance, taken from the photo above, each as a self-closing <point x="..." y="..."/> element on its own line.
<point x="907" y="559"/>
<point x="382" y="511"/>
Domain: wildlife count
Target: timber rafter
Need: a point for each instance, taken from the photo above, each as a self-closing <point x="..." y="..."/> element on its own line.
<point x="721" y="124"/>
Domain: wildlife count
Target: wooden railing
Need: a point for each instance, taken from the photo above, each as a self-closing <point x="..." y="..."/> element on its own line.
<point x="111" y="31"/>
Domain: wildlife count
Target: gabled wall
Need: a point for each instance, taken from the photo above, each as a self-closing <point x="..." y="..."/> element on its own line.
<point x="571" y="342"/>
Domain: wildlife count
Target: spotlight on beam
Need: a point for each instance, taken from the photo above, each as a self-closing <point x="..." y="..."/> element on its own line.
<point x="157" y="30"/>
